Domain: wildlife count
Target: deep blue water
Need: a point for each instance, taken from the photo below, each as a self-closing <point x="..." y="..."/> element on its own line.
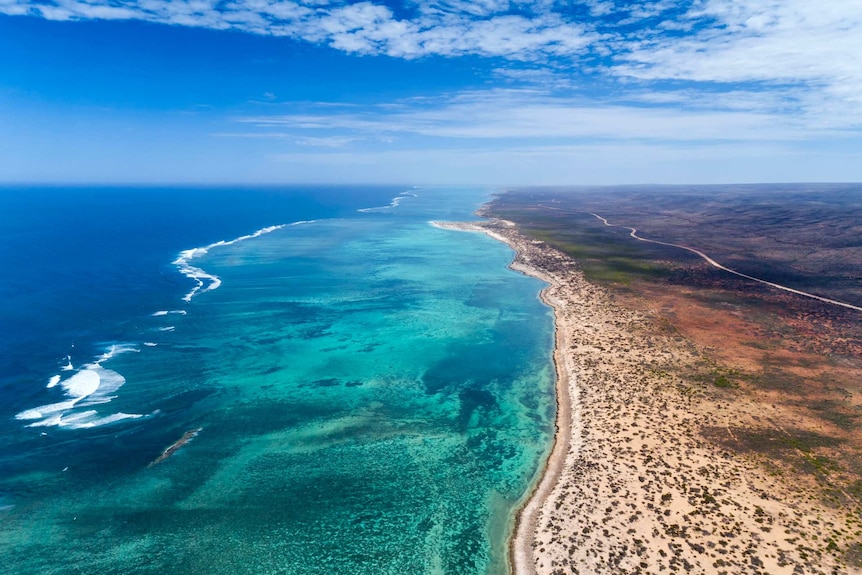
<point x="79" y="264"/>
<point x="372" y="394"/>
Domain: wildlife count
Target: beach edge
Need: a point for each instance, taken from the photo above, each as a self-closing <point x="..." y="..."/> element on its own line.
<point x="522" y="535"/>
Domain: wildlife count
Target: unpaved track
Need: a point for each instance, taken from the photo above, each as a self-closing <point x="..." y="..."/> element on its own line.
<point x="714" y="263"/>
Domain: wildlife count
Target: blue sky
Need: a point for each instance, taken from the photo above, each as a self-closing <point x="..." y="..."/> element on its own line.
<point x="445" y="92"/>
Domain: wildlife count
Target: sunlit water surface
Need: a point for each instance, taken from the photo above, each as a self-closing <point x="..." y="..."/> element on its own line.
<point x="360" y="393"/>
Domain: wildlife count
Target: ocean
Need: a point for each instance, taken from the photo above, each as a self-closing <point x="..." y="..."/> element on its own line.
<point x="293" y="380"/>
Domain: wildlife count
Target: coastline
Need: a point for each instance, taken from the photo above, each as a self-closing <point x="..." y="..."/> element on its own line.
<point x="522" y="536"/>
<point x="643" y="477"/>
<point x="527" y="517"/>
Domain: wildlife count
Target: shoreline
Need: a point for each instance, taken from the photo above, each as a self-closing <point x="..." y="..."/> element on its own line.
<point x="522" y="535"/>
<point x="646" y="475"/>
<point x="527" y="517"/>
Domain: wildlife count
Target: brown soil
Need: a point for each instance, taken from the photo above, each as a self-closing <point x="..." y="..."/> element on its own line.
<point x="806" y="368"/>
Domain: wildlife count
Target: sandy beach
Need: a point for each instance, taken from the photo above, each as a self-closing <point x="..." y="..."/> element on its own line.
<point x="641" y="478"/>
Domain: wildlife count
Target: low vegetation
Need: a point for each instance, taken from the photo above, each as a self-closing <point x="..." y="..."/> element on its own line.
<point x="800" y="358"/>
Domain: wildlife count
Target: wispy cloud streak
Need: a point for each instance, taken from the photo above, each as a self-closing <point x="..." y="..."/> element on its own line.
<point x="528" y="114"/>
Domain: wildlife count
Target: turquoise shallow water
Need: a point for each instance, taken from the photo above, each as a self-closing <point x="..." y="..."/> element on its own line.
<point x="374" y="395"/>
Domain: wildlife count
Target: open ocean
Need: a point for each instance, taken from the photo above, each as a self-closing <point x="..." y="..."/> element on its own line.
<point x="354" y="391"/>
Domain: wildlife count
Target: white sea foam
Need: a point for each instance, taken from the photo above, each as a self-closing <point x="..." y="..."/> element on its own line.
<point x="200" y="276"/>
<point x="168" y="328"/>
<point x="89" y="420"/>
<point x="113" y="351"/>
<point x="52" y="421"/>
<point x="73" y="418"/>
<point x="150" y="344"/>
<point x="68" y="366"/>
<point x="44" y="411"/>
<point x="81" y="384"/>
<point x="393" y="204"/>
<point x="167" y="312"/>
<point x="91" y="385"/>
<point x="109" y="382"/>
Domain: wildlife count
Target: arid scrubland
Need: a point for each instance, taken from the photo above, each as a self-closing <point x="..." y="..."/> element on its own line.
<point x="656" y="468"/>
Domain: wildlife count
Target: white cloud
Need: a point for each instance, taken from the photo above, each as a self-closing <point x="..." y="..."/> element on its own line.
<point x="812" y="49"/>
<point x="600" y="7"/>
<point x="523" y="114"/>
<point x="448" y="28"/>
<point x="543" y="78"/>
<point x="790" y="40"/>
<point x="305" y="141"/>
<point x="478" y="8"/>
<point x="684" y="70"/>
<point x="815" y="47"/>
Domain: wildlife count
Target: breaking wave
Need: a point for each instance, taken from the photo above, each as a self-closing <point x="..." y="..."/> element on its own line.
<point x="90" y="385"/>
